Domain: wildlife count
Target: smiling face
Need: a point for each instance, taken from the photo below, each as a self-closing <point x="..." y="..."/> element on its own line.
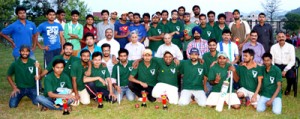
<point x="58" y="68"/>
<point x="85" y="57"/>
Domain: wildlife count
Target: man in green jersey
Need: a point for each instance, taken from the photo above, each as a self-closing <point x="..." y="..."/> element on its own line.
<point x="146" y="73"/>
<point x="249" y="76"/>
<point x="271" y="86"/>
<point x="207" y="31"/>
<point x="57" y="85"/>
<point x="188" y="35"/>
<point x="175" y="28"/>
<point x="216" y="76"/>
<point x="220" y="27"/>
<point x="193" y="75"/>
<point x="155" y="34"/>
<point x="24" y="71"/>
<point x="125" y="68"/>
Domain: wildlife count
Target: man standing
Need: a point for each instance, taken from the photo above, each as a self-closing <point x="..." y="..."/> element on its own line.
<point x="207" y="31"/>
<point x="155" y="34"/>
<point x="271" y="86"/>
<point x="111" y="41"/>
<point x="74" y="32"/>
<point x="89" y="28"/>
<point x="113" y="17"/>
<point x="188" y="35"/>
<point x="211" y="19"/>
<point x="240" y="30"/>
<point x="176" y="29"/>
<point x="60" y="17"/>
<point x="122" y="30"/>
<point x="146" y="73"/>
<point x="90" y="44"/>
<point x="181" y="11"/>
<point x="164" y="20"/>
<point x="256" y="46"/>
<point x="24" y="71"/>
<point x="249" y="76"/>
<point x="264" y="32"/>
<point x="105" y="24"/>
<point x="198" y="42"/>
<point x="220" y="27"/>
<point x="146" y="19"/>
<point x="138" y="28"/>
<point x="22" y="31"/>
<point x="108" y="58"/>
<point x="169" y="46"/>
<point x="284" y="57"/>
<point x="228" y="47"/>
<point x="193" y="80"/>
<point x="135" y="48"/>
<point x="53" y="38"/>
<point x="196" y="10"/>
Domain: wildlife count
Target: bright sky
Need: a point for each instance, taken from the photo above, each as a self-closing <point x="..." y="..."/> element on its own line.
<point x="151" y="6"/>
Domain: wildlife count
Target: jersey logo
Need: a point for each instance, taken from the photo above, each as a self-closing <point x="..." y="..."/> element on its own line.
<point x="130" y="68"/>
<point x="62" y="84"/>
<point x="178" y="28"/>
<point x="159" y="31"/>
<point x="272" y="79"/>
<point x="69" y="66"/>
<point x="254" y="73"/>
<point x="173" y="70"/>
<point x="208" y="33"/>
<point x="30" y="69"/>
<point x="103" y="72"/>
<point x="152" y="71"/>
<point x="200" y="71"/>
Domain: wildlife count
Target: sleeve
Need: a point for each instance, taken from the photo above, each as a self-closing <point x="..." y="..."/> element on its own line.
<point x="34" y="31"/>
<point x="158" y="53"/>
<point x="113" y="27"/>
<point x="149" y="33"/>
<point x="74" y="70"/>
<point x="247" y="27"/>
<point x="114" y="72"/>
<point x="134" y="72"/>
<point x="66" y="33"/>
<point x="292" y="57"/>
<point x="69" y="83"/>
<point x="179" y="55"/>
<point x="278" y="75"/>
<point x="11" y="70"/>
<point x="230" y="25"/>
<point x="107" y="75"/>
<point x="80" y="34"/>
<point x="60" y="28"/>
<point x="236" y="50"/>
<point x="40" y="28"/>
<point x="218" y="47"/>
<point x="211" y="75"/>
<point x="273" y="54"/>
<point x="48" y="85"/>
<point x="260" y="71"/>
<point x="8" y="30"/>
<point x="271" y="35"/>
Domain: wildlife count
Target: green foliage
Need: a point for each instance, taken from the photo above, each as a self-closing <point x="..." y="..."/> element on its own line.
<point x="76" y="5"/>
<point x="292" y="22"/>
<point x="7" y="9"/>
<point x="35" y="8"/>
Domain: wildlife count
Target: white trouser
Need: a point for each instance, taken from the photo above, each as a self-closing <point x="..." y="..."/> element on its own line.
<point x="248" y="94"/>
<point x="185" y="97"/>
<point x="213" y="98"/>
<point x="84" y="98"/>
<point x="163" y="88"/>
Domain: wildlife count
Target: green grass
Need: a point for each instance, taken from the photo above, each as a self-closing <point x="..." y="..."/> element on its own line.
<point x="291" y="105"/>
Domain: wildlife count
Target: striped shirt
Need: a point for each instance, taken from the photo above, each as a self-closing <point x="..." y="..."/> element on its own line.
<point x="201" y="45"/>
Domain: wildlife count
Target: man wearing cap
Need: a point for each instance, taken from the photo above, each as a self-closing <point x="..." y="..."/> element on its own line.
<point x="146" y="73"/>
<point x="216" y="76"/>
<point x="121" y="32"/>
<point x="24" y="71"/>
<point x="169" y="46"/>
<point x="240" y="29"/>
<point x="230" y="48"/>
<point x="198" y="42"/>
<point x="207" y="30"/>
<point x="155" y="34"/>
<point x="188" y="36"/>
<point x="105" y="24"/>
<point x="193" y="79"/>
<point x="196" y="10"/>
<point x="138" y="28"/>
<point x="175" y="28"/>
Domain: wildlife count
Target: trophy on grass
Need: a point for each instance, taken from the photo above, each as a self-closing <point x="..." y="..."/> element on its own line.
<point x="144" y="98"/>
<point x="164" y="101"/>
<point x="65" y="107"/>
<point x="99" y="96"/>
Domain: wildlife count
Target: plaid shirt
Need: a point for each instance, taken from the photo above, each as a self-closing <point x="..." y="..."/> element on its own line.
<point x="201" y="45"/>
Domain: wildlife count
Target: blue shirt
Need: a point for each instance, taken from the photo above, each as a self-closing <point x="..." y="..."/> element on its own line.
<point x="51" y="34"/>
<point x="21" y="34"/>
<point x="96" y="49"/>
<point x="122" y="29"/>
<point x="140" y="29"/>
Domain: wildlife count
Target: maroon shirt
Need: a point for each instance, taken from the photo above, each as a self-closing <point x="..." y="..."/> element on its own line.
<point x="86" y="30"/>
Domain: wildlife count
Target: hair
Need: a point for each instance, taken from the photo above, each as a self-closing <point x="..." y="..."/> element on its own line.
<point x="133" y="32"/>
<point x="20" y="8"/>
<point x="96" y="54"/>
<point x="109" y="29"/>
<point x="88" y="34"/>
<point x="84" y="51"/>
<point x="168" y="52"/>
<point x="130" y="12"/>
<point x="211" y="12"/>
<point x="262" y="14"/>
<point x="146" y="15"/>
<point x="174" y="11"/>
<point x="267" y="54"/>
<point x="212" y="40"/>
<point x="202" y="15"/>
<point x="122" y="50"/>
<point x="104" y="11"/>
<point x="137" y="14"/>
<point x="195" y="6"/>
<point x="105" y="45"/>
<point x="164" y="11"/>
<point x="89" y="16"/>
<point x="181" y="7"/>
<point x="75" y="12"/>
<point x="226" y="31"/>
<point x="221" y="15"/>
<point x="157" y="13"/>
<point x="236" y="10"/>
<point x="58" y="61"/>
<point x="49" y="11"/>
<point x="67" y="44"/>
<point x="250" y="51"/>
<point x="253" y="31"/>
<point x="280" y="32"/>
<point x="58" y="12"/>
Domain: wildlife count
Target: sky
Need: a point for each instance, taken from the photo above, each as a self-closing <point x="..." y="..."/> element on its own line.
<point x="151" y="6"/>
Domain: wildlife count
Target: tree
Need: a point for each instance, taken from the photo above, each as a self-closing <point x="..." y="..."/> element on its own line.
<point x="7" y="9"/>
<point x="292" y="22"/>
<point x="35" y="8"/>
<point x="271" y="7"/>
<point x="76" y="5"/>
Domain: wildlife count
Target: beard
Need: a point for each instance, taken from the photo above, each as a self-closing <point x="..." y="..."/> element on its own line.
<point x="197" y="37"/>
<point x="193" y="59"/>
<point x="68" y="53"/>
<point x="236" y="18"/>
<point x="24" y="56"/>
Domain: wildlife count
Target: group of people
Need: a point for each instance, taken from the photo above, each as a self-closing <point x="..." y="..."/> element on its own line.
<point x="187" y="58"/>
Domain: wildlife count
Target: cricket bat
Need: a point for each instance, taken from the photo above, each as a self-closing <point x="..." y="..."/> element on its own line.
<point x="37" y="81"/>
<point x="230" y="89"/>
<point x="119" y="95"/>
<point x="223" y="94"/>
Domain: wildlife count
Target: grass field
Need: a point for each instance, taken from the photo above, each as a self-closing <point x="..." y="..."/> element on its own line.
<point x="290" y="110"/>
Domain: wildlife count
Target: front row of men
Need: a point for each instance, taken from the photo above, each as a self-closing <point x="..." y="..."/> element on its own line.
<point x="79" y="79"/>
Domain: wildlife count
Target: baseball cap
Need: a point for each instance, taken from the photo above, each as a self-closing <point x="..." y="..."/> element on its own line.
<point x="154" y="15"/>
<point x="222" y="54"/>
<point x="194" y="50"/>
<point x="147" y="51"/>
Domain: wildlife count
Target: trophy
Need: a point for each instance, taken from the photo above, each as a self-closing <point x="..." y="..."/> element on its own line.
<point x="99" y="95"/>
<point x="144" y="98"/>
<point x="65" y="107"/>
<point x="164" y="101"/>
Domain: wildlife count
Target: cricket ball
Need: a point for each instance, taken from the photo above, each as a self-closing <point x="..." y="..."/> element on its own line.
<point x="156" y="107"/>
<point x="137" y="105"/>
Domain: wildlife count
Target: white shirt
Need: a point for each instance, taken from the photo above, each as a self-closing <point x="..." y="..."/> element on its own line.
<point x="135" y="50"/>
<point x="109" y="64"/>
<point x="195" y="20"/>
<point x="283" y="55"/>
<point x="231" y="54"/>
<point x="172" y="48"/>
<point x="114" y="45"/>
<point x="62" y="23"/>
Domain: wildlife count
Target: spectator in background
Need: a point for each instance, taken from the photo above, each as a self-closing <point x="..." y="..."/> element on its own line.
<point x="105" y="24"/>
<point x="265" y="32"/>
<point x="74" y="32"/>
<point x="138" y="27"/>
<point x="122" y="30"/>
<point x="60" y="17"/>
<point x="89" y="28"/>
<point x="196" y="10"/>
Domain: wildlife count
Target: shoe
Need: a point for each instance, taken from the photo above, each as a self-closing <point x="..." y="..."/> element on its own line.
<point x="287" y="93"/>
